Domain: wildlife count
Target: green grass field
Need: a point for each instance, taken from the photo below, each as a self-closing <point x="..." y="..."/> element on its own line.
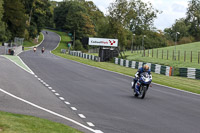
<point x="15" y="123"/>
<point x="161" y="57"/>
<point x="32" y="43"/>
<point x="174" y="81"/>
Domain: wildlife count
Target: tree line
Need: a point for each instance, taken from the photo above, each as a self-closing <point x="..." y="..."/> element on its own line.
<point x="131" y="22"/>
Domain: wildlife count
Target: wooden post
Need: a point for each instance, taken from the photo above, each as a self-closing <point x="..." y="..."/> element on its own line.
<point x="148" y="52"/>
<point x="152" y="53"/>
<point x="198" y="57"/>
<point x="173" y="55"/>
<point x="179" y="55"/>
<point x="191" y="57"/>
<point x="167" y="54"/>
<point x="162" y="54"/>
<point x="184" y="56"/>
<point x="157" y="53"/>
<point x="144" y="52"/>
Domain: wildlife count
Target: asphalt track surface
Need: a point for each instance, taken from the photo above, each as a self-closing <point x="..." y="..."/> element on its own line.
<point x="105" y="98"/>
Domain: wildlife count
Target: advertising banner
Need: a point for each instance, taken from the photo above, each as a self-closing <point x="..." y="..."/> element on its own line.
<point x="103" y="42"/>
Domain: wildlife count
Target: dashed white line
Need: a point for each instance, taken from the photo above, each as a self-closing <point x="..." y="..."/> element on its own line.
<point x="67" y="103"/>
<point x="36" y="76"/>
<point x="53" y="90"/>
<point x="46" y="85"/>
<point x="57" y="94"/>
<point x="90" y="124"/>
<point x="50" y="88"/>
<point x="39" y="79"/>
<point x="61" y="98"/>
<point x="73" y="108"/>
<point x="49" y="111"/>
<point x="82" y="116"/>
<point x="98" y="131"/>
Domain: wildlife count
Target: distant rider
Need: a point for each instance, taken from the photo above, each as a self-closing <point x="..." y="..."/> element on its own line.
<point x="34" y="49"/>
<point x="145" y="68"/>
<point x="42" y="49"/>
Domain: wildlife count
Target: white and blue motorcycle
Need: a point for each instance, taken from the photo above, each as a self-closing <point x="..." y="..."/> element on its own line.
<point x="142" y="85"/>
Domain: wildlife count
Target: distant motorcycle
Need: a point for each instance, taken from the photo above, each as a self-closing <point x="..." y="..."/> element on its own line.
<point x="142" y="84"/>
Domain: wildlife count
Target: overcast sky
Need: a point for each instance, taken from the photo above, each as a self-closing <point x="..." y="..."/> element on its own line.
<point x="171" y="10"/>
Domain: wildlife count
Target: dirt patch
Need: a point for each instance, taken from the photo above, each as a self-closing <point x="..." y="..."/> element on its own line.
<point x="1" y="129"/>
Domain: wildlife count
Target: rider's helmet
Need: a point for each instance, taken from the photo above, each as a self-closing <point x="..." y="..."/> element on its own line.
<point x="146" y="68"/>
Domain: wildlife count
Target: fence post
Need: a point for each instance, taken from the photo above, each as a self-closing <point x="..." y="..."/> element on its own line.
<point x="167" y="54"/>
<point x="179" y="55"/>
<point x="191" y="57"/>
<point x="152" y="53"/>
<point x="162" y="53"/>
<point x="198" y="58"/>
<point x="184" y="56"/>
<point x="173" y="55"/>
<point x="157" y="53"/>
<point x="148" y="52"/>
<point x="144" y="52"/>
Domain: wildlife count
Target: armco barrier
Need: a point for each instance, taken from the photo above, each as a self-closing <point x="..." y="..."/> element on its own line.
<point x="159" y="69"/>
<point x="192" y="73"/>
<point x="83" y="55"/>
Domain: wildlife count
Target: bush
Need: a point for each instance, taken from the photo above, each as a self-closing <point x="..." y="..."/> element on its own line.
<point x="185" y="40"/>
<point x="78" y="46"/>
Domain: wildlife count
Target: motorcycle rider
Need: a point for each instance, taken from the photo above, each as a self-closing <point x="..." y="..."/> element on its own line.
<point x="145" y="68"/>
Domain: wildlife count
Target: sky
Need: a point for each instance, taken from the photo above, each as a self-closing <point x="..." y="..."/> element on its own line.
<point x="171" y="10"/>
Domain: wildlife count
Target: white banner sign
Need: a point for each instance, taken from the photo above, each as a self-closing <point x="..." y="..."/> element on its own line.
<point x="103" y="42"/>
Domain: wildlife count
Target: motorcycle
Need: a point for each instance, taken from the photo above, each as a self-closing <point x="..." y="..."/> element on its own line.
<point x="142" y="84"/>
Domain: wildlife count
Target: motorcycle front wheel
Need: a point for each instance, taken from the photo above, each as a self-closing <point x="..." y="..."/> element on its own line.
<point x="143" y="90"/>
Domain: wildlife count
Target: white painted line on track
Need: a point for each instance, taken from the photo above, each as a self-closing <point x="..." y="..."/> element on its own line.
<point x="73" y="108"/>
<point x="67" y="103"/>
<point x="90" y="124"/>
<point x="49" y="111"/>
<point x="39" y="79"/>
<point x="25" y="65"/>
<point x="29" y="70"/>
<point x="53" y="90"/>
<point x="82" y="116"/>
<point x="46" y="85"/>
<point x="61" y="98"/>
<point x="57" y="94"/>
<point x="98" y="131"/>
<point x="36" y="76"/>
<point x="50" y="88"/>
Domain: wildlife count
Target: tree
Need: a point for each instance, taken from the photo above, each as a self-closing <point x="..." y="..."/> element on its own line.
<point x="193" y="18"/>
<point x="39" y="14"/>
<point x="2" y="24"/>
<point x="144" y="18"/>
<point x="15" y="17"/>
<point x="72" y="17"/>
<point x="95" y="15"/>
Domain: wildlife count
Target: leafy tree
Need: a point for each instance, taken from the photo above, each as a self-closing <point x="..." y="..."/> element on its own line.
<point x="72" y="16"/>
<point x="2" y="24"/>
<point x="39" y="14"/>
<point x="193" y="18"/>
<point x="15" y="17"/>
<point x="95" y="15"/>
<point x="144" y="17"/>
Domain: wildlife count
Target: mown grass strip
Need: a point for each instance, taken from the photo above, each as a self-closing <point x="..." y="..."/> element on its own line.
<point x="16" y="123"/>
<point x="174" y="81"/>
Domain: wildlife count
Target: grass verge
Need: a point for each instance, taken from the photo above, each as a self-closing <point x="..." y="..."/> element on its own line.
<point x="32" y="42"/>
<point x="15" y="123"/>
<point x="174" y="81"/>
